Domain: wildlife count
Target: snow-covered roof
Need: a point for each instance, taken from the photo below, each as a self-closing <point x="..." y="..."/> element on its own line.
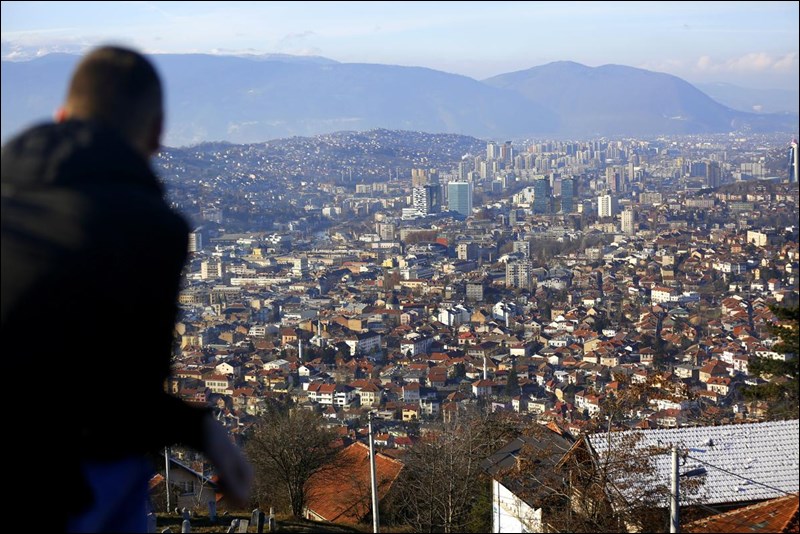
<point x="742" y="462"/>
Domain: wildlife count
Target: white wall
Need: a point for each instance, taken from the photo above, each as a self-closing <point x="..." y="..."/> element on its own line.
<point x="510" y="514"/>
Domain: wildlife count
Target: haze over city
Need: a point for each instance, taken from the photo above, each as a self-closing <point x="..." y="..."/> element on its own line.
<point x="434" y="266"/>
<point x="752" y="44"/>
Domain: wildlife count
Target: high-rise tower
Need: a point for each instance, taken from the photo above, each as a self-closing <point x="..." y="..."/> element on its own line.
<point x="606" y="205"/>
<point x="628" y="223"/>
<point x="567" y="195"/>
<point x="541" y="196"/>
<point x="459" y="197"/>
<point x="492" y="150"/>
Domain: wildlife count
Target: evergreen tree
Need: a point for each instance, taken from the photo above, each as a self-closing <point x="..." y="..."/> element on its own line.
<point x="512" y="383"/>
<point x="781" y="390"/>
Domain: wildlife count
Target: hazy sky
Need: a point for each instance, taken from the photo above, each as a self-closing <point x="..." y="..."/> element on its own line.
<point x="753" y="44"/>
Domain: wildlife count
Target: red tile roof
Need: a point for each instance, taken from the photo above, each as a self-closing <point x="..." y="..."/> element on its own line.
<point x="774" y="515"/>
<point x="342" y="495"/>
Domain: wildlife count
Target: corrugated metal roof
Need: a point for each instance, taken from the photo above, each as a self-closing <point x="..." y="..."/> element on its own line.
<point x="742" y="462"/>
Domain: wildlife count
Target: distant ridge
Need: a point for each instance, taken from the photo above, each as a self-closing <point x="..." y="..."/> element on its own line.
<point x="246" y="99"/>
<point x="616" y="99"/>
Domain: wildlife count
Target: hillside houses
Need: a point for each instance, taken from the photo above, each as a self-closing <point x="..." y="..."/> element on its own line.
<point x="361" y="322"/>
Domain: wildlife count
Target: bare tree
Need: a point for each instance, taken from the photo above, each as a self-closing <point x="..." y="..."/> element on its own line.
<point x="580" y="490"/>
<point x="440" y="483"/>
<point x="286" y="449"/>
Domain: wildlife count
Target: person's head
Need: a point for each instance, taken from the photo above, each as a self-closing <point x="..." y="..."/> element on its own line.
<point x="120" y="89"/>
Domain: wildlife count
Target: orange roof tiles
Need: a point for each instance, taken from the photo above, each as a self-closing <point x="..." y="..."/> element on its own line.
<point x="342" y="495"/>
<point x="774" y="515"/>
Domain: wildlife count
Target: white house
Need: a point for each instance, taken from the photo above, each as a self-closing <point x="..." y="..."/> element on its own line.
<point x="740" y="464"/>
<point x="454" y="316"/>
<point x="510" y="512"/>
<point x="364" y="343"/>
<point x="369" y="395"/>
<point x="229" y="368"/>
<point x="411" y="392"/>
<point x="280" y="364"/>
<point x="343" y="395"/>
<point x="416" y="344"/>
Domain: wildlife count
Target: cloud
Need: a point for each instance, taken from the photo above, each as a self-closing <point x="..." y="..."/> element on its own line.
<point x="787" y="63"/>
<point x="663" y="65"/>
<point x="297" y="44"/>
<point x="753" y="62"/>
<point x="18" y="51"/>
<point x="292" y="40"/>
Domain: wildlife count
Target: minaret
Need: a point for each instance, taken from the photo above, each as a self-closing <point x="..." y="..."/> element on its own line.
<point x="300" y="349"/>
<point x="484" y="367"/>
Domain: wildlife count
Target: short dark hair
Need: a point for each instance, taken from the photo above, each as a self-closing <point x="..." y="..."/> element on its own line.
<point x="117" y="87"/>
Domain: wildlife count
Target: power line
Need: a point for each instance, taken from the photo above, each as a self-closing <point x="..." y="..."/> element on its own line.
<point x="740" y="476"/>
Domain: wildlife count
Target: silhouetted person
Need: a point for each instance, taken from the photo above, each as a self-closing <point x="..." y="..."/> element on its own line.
<point x="91" y="263"/>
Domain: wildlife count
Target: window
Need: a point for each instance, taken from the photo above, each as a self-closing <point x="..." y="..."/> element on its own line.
<point x="187" y="487"/>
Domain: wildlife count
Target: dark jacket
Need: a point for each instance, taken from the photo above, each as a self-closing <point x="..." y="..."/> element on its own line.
<point x="91" y="263"/>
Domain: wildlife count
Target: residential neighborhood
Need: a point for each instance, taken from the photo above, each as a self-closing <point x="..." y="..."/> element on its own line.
<point x="542" y="302"/>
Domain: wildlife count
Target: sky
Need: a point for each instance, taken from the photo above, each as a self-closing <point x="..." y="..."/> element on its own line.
<point x="751" y="44"/>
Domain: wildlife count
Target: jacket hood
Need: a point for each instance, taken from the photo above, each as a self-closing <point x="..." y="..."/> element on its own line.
<point x="72" y="153"/>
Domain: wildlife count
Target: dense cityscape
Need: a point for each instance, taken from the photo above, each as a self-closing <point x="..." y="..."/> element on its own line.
<point x="422" y="277"/>
<point x="403" y="267"/>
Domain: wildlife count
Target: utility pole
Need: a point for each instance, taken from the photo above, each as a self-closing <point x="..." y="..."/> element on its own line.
<point x="373" y="478"/>
<point x="166" y="478"/>
<point x="674" y="521"/>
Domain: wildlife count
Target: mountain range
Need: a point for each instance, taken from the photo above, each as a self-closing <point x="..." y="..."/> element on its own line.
<point x="258" y="98"/>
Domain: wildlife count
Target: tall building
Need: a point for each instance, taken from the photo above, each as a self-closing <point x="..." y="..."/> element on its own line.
<point x="475" y="291"/>
<point x="541" y="196"/>
<point x="467" y="250"/>
<point x="793" y="171"/>
<point x="613" y="180"/>
<point x="465" y="167"/>
<point x="492" y="150"/>
<point x="300" y="267"/>
<point x="524" y="247"/>
<point x="210" y="269"/>
<point x="698" y="168"/>
<point x="423" y="177"/>
<point x="507" y="152"/>
<point x="195" y="241"/>
<point x="435" y="197"/>
<point x="606" y="206"/>
<point x="519" y="274"/>
<point x="387" y="231"/>
<point x="628" y="222"/>
<point x="426" y="199"/>
<point x="713" y="174"/>
<point x="459" y="197"/>
<point x="567" y="195"/>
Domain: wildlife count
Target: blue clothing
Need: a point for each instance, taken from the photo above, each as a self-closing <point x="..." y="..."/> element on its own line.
<point x="121" y="500"/>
